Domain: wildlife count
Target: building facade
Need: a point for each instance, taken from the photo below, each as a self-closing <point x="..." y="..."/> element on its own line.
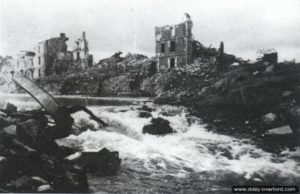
<point x="174" y="44"/>
<point x="24" y="64"/>
<point x="52" y="56"/>
<point x="81" y="56"/>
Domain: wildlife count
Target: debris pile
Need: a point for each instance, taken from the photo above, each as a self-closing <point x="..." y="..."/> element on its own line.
<point x="116" y="61"/>
<point x="32" y="161"/>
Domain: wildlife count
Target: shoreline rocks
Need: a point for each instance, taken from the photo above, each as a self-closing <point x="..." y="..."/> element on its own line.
<point x="31" y="160"/>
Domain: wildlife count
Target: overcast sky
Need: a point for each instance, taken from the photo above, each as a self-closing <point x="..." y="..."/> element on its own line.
<point x="128" y="25"/>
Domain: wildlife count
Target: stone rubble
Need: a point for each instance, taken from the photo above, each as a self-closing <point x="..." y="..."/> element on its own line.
<point x="31" y="161"/>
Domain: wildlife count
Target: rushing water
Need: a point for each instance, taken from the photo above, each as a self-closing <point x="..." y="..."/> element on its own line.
<point x="188" y="161"/>
<point x="192" y="160"/>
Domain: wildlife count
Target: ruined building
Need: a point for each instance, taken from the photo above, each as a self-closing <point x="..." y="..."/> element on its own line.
<point x="81" y="56"/>
<point x="267" y="55"/>
<point x="52" y="56"/>
<point x="174" y="44"/>
<point x="24" y="64"/>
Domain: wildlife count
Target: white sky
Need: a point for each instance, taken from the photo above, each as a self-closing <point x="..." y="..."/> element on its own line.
<point x="128" y="25"/>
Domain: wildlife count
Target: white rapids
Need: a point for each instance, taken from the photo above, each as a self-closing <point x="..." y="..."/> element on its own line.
<point x="192" y="149"/>
<point x="191" y="160"/>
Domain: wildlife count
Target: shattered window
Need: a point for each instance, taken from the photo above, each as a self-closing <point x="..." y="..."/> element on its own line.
<point x="172" y="46"/>
<point x="162" y="47"/>
<point x="172" y="62"/>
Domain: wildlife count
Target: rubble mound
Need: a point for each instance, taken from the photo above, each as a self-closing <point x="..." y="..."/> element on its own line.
<point x="31" y="161"/>
<point x="235" y="98"/>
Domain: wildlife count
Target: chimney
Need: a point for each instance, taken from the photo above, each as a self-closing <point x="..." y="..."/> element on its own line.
<point x="83" y="35"/>
<point x="62" y="35"/>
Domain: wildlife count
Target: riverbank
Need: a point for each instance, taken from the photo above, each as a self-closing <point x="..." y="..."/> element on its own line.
<point x="237" y="98"/>
<point x="248" y="99"/>
<point x="31" y="160"/>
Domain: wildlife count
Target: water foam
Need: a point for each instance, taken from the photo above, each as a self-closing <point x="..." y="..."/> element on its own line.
<point x="191" y="149"/>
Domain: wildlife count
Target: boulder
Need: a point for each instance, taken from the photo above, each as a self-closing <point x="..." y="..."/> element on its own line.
<point x="11" y="130"/>
<point x="31" y="133"/>
<point x="104" y="162"/>
<point x="45" y="189"/>
<point x="146" y="108"/>
<point x="158" y="126"/>
<point x="7" y="134"/>
<point x="284" y="130"/>
<point x="6" y="121"/>
<point x="269" y="118"/>
<point x="145" y="114"/>
<point x="11" y="108"/>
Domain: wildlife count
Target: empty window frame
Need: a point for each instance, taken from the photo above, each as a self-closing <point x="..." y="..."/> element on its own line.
<point x="162" y="48"/>
<point x="172" y="46"/>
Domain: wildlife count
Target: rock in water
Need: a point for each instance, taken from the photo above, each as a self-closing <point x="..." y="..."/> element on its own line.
<point x="103" y="162"/>
<point x="158" y="126"/>
<point x="145" y="114"/>
<point x="146" y="108"/>
<point x="11" y="108"/>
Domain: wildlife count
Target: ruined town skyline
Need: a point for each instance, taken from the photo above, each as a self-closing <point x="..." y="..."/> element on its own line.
<point x="244" y="26"/>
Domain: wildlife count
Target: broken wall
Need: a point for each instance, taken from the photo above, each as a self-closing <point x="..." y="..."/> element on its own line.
<point x="174" y="45"/>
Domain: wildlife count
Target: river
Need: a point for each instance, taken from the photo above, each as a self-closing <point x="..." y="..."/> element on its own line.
<point x="192" y="160"/>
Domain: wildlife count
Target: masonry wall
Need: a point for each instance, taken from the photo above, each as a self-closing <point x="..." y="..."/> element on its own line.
<point x="179" y="35"/>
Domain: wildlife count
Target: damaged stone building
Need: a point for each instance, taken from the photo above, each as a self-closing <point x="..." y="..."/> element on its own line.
<point x="24" y="64"/>
<point x="53" y="56"/>
<point x="267" y="55"/>
<point x="174" y="44"/>
<point x="81" y="56"/>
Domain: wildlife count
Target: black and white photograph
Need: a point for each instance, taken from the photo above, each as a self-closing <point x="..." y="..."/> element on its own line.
<point x="150" y="96"/>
